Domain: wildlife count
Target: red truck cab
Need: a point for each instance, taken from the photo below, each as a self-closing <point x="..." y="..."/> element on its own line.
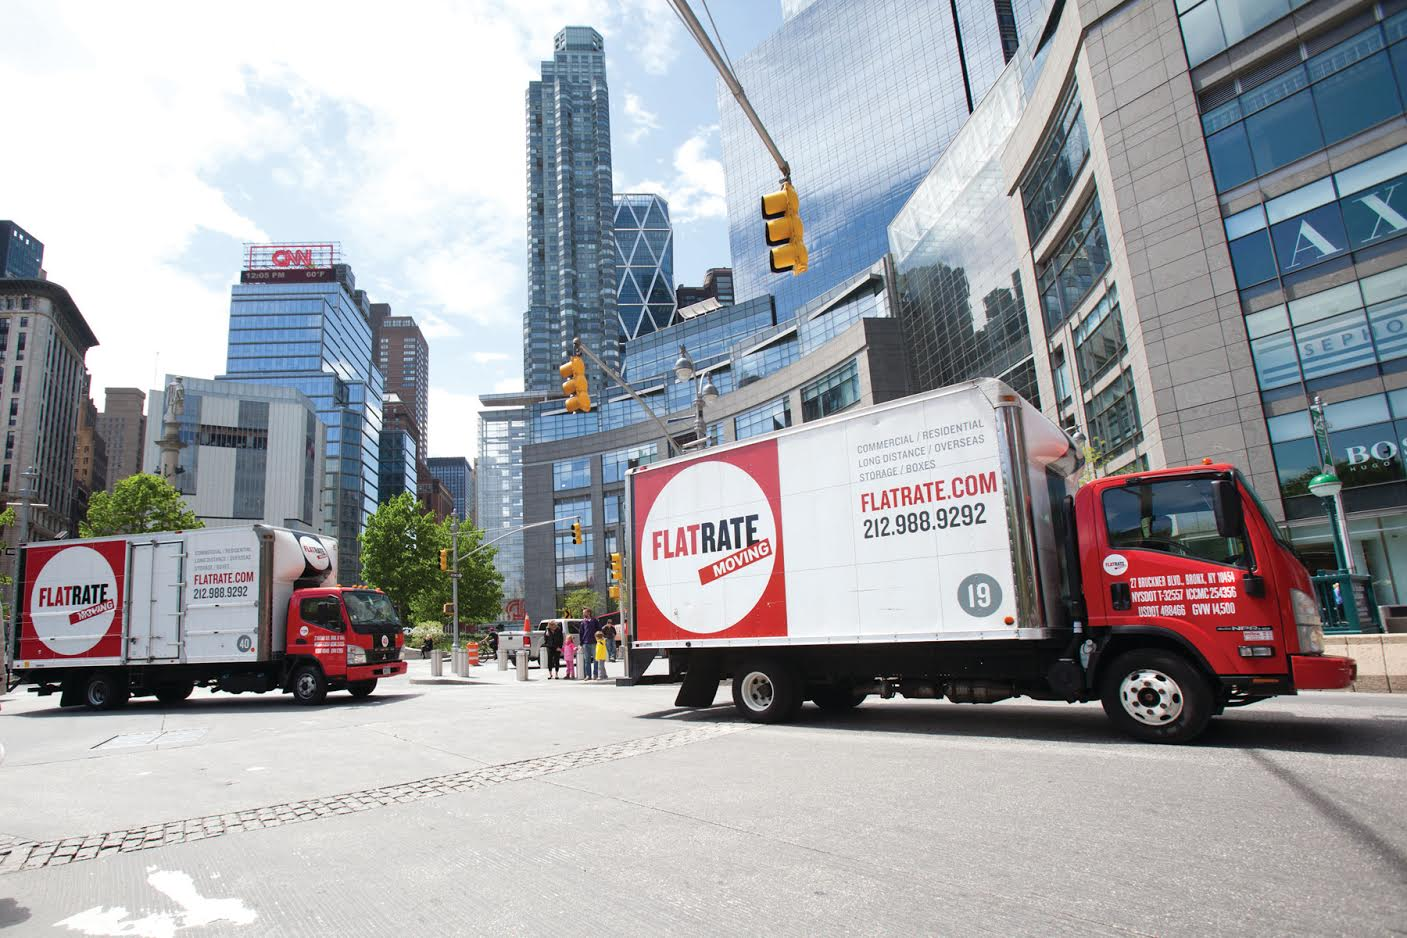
<point x="348" y="637"/>
<point x="1185" y="567"/>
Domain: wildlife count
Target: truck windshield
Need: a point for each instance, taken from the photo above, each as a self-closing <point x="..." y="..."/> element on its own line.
<point x="366" y="608"/>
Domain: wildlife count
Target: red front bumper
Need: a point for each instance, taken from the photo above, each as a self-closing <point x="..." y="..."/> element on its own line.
<point x="1322" y="672"/>
<point x="368" y="672"/>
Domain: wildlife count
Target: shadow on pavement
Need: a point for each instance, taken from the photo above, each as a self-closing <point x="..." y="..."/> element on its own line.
<point x="1271" y="732"/>
<point x="261" y="703"/>
<point x="12" y="913"/>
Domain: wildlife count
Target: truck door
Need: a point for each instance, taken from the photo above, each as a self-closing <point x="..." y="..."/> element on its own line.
<point x="1161" y="564"/>
<point x="157" y="595"/>
<point x="321" y="631"/>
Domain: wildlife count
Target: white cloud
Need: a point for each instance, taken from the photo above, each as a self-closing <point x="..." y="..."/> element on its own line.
<point x="454" y="423"/>
<point x="642" y="120"/>
<point x="696" y="190"/>
<point x="508" y="385"/>
<point x="484" y="358"/>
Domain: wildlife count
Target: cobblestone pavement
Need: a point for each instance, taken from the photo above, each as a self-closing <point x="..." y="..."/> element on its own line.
<point x="19" y="854"/>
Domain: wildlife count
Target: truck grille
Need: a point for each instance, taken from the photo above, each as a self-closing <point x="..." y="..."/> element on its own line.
<point x="381" y="655"/>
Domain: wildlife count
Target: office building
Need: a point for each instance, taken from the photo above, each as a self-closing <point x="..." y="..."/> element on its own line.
<point x="399" y="443"/>
<point x="717" y="285"/>
<point x="297" y="320"/>
<point x="43" y="342"/>
<point x="253" y="453"/>
<point x="644" y="264"/>
<point x="21" y="254"/>
<point x="89" y="456"/>
<point x="458" y="477"/>
<point x="403" y="356"/>
<point x="887" y="85"/>
<point x="123" y="425"/>
<point x="571" y="262"/>
<point x="503" y="430"/>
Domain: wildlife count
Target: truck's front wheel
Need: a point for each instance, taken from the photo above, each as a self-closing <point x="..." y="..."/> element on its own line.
<point x="766" y="691"/>
<point x="1157" y="696"/>
<point x="362" y="688"/>
<point x="309" y="685"/>
<point x="102" y="691"/>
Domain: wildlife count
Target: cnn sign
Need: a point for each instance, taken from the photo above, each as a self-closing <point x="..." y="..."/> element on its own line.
<point x="290" y="256"/>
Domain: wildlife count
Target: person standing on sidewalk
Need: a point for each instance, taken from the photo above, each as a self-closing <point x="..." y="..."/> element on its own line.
<point x="552" y="641"/>
<point x="570" y="648"/>
<point x="609" y="630"/>
<point x="600" y="655"/>
<point x="589" y="627"/>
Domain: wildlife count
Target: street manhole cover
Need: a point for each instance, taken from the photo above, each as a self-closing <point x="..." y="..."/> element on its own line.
<point x="157" y="738"/>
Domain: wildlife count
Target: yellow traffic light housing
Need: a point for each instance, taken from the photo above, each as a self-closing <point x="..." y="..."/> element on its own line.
<point x="574" y="387"/>
<point x="617" y="573"/>
<point x="613" y="592"/>
<point x="782" y="210"/>
<point x="444" y="559"/>
<point x="576" y="532"/>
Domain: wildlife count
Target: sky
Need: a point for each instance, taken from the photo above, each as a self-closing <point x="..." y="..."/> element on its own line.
<point x="161" y="137"/>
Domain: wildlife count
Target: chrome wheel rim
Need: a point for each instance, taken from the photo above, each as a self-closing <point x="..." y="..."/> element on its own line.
<point x="307" y="685"/>
<point x="1151" y="697"/>
<point x="758" y="692"/>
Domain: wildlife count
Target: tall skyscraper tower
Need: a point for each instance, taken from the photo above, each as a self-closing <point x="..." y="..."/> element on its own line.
<point x="123" y="427"/>
<point x="297" y="320"/>
<point x="403" y="355"/>
<point x="571" y="264"/>
<point x="644" y="264"/>
<point x="21" y="254"/>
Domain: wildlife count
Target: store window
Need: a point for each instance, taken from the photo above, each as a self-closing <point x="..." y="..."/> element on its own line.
<point x="1366" y="438"/>
<point x="831" y="393"/>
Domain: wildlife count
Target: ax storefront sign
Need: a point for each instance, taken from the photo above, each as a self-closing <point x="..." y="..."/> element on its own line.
<point x="709" y="547"/>
<point x="73" y="601"/>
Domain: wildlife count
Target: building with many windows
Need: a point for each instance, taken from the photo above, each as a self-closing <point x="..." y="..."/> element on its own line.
<point x="43" y="342"/>
<point x="309" y="328"/>
<point x="717" y="285"/>
<point x="458" y="477"/>
<point x="21" y="254"/>
<point x="503" y="430"/>
<point x="644" y="243"/>
<point x="123" y="425"/>
<point x="253" y="453"/>
<point x="571" y="263"/>
<point x="403" y="356"/>
<point x="887" y="85"/>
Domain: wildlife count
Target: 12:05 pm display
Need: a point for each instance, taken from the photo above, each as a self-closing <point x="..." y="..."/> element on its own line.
<point x="937" y="519"/>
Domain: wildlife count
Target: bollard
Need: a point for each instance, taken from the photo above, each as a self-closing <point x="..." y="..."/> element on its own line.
<point x="502" y="656"/>
<point x="437" y="667"/>
<point x="581" y="661"/>
<point x="542" y="658"/>
<point x="522" y="659"/>
<point x="458" y="663"/>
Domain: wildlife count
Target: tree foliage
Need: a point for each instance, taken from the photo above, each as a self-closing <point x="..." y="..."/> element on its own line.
<point x="139" y="504"/>
<point x="400" y="551"/>
<point x="581" y="598"/>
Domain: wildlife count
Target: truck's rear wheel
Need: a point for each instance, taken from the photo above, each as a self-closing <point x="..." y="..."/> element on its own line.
<point x="174" y="693"/>
<point x="1157" y="696"/>
<point x="102" y="691"/>
<point x="837" y="698"/>
<point x="362" y="688"/>
<point x="766" y="691"/>
<point x="309" y="685"/>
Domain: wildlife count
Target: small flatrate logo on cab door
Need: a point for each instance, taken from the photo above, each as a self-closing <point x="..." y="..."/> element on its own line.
<point x="1116" y="564"/>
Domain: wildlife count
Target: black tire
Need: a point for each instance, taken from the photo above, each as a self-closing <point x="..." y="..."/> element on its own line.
<point x="174" y="693"/>
<point x="766" y="690"/>
<point x="362" y="688"/>
<point x="103" y="691"/>
<point x="1157" y="696"/>
<point x="837" y="698"/>
<point x="309" y="686"/>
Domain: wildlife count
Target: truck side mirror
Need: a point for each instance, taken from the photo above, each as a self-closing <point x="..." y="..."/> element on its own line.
<point x="1226" y="505"/>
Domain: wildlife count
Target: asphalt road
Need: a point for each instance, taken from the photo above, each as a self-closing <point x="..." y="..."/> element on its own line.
<point x="498" y="807"/>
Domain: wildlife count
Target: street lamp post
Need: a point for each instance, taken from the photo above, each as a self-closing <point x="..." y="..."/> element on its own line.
<point x="1328" y="487"/>
<point x="705" y="393"/>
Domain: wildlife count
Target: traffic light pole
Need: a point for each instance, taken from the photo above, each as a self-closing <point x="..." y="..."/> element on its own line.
<point x="454" y="581"/>
<point x="581" y="349"/>
<point x="692" y="23"/>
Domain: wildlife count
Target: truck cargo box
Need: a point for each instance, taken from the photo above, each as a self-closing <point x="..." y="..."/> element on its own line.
<point x="911" y="521"/>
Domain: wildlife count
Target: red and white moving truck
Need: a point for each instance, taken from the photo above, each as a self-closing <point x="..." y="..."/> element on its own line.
<point x="940" y="546"/>
<point x="235" y="609"/>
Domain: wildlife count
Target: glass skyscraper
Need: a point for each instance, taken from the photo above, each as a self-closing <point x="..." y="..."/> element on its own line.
<point x="644" y="264"/>
<point x="503" y="429"/>
<point x="316" y="337"/>
<point x="458" y="476"/>
<point x="862" y="96"/>
<point x="571" y="263"/>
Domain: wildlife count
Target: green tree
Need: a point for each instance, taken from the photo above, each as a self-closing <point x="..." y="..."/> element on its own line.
<point x="401" y="551"/>
<point x="138" y="504"/>
<point x="581" y="598"/>
<point x="480" y="583"/>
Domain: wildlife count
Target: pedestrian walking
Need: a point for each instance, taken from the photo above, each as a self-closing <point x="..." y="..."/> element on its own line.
<point x="600" y="656"/>
<point x="589" y="628"/>
<point x="552" y="641"/>
<point x="609" y="630"/>
<point x="570" y="648"/>
<point x="427" y="646"/>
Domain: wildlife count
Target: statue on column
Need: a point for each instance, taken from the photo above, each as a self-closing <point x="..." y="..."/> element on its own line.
<point x="175" y="399"/>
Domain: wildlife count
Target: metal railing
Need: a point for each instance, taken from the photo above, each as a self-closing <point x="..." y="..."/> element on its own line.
<point x="1347" y="603"/>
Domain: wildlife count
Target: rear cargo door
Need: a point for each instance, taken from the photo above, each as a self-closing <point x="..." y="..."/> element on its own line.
<point x="157" y="597"/>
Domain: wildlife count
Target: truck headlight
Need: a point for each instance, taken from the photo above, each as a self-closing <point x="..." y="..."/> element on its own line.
<point x="356" y="654"/>
<point x="1308" y="622"/>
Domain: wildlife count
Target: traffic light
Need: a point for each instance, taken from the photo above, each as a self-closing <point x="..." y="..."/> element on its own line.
<point x="782" y="210"/>
<point x="617" y="575"/>
<point x="576" y="532"/>
<point x="444" y="559"/>
<point x="574" y="387"/>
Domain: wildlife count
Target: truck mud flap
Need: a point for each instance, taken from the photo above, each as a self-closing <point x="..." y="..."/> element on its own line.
<point x="700" y="682"/>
